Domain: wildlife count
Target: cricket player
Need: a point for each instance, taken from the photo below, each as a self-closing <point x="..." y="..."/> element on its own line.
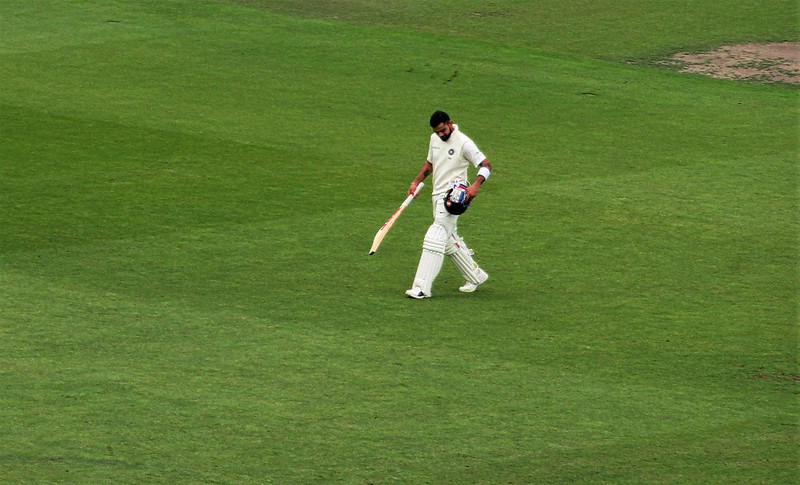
<point x="450" y="153"/>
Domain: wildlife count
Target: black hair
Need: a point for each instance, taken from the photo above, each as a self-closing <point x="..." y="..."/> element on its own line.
<point x="439" y="117"/>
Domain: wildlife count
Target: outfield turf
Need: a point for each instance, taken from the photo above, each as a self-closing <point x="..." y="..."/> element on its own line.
<point x="188" y="191"/>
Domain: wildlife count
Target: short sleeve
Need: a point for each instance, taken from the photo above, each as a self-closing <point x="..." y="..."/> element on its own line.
<point x="472" y="153"/>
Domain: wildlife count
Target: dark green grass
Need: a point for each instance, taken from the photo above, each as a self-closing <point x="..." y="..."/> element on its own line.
<point x="620" y="30"/>
<point x="189" y="193"/>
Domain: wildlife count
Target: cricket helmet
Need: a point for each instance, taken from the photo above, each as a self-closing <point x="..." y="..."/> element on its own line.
<point x="456" y="201"/>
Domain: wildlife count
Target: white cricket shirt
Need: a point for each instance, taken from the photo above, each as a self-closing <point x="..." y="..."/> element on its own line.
<point x="451" y="158"/>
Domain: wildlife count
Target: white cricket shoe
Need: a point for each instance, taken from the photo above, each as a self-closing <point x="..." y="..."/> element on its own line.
<point x="469" y="286"/>
<point x="417" y="294"/>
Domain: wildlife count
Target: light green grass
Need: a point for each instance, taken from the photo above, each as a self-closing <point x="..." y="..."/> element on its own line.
<point x="189" y="193"/>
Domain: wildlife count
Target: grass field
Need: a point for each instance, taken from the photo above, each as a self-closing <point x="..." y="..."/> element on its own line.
<point x="188" y="191"/>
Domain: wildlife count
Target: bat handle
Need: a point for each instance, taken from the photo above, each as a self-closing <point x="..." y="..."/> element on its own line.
<point x="414" y="195"/>
<point x="419" y="187"/>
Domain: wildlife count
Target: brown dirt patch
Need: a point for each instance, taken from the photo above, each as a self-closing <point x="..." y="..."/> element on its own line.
<point x="780" y="376"/>
<point x="770" y="63"/>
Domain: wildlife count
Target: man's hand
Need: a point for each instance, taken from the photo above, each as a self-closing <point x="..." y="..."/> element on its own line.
<point x="426" y="170"/>
<point x="472" y="190"/>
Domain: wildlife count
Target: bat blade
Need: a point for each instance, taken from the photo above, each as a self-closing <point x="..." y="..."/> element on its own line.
<point x="376" y="242"/>
<point x="384" y="230"/>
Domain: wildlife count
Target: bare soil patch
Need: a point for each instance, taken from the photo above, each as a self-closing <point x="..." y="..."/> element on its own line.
<point x="770" y="63"/>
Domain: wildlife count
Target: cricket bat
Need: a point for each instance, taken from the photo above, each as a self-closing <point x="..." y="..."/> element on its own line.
<point x="388" y="224"/>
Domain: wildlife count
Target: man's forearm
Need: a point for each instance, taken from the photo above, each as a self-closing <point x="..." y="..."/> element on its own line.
<point x="426" y="170"/>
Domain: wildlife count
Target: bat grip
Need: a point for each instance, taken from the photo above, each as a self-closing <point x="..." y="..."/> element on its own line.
<point x="414" y="195"/>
